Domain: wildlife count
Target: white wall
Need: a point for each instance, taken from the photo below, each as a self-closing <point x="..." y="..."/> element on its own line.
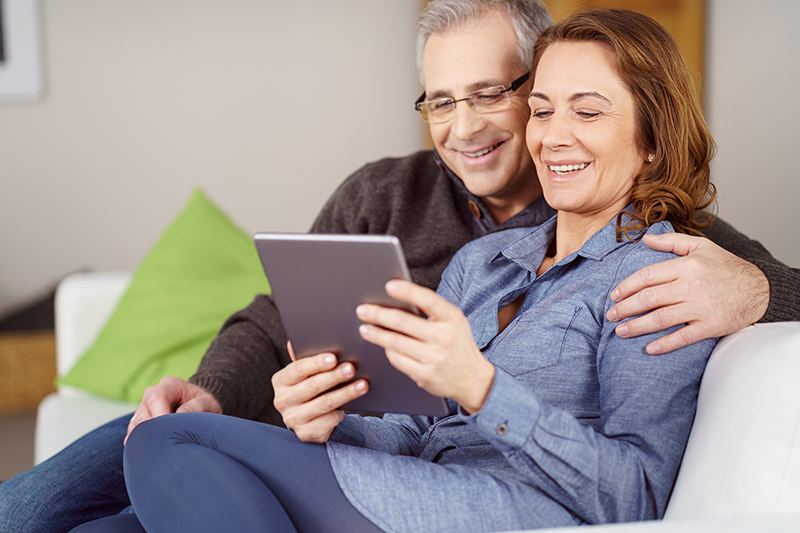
<point x="267" y="105"/>
<point x="753" y="110"/>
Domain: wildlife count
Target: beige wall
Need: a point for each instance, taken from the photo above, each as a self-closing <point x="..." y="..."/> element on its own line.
<point x="267" y="105"/>
<point x="753" y="109"/>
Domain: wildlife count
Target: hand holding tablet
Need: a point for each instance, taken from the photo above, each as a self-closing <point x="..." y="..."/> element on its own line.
<point x="317" y="282"/>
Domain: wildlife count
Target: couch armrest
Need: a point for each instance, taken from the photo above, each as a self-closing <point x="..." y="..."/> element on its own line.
<point x="84" y="302"/>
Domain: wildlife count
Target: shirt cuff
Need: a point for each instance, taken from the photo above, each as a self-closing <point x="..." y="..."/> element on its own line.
<point x="509" y="414"/>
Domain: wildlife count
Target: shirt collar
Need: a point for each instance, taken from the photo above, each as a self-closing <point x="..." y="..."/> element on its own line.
<point x="483" y="223"/>
<point x="529" y="250"/>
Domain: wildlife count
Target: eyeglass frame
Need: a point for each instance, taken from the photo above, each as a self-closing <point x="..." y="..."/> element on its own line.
<point x="516" y="84"/>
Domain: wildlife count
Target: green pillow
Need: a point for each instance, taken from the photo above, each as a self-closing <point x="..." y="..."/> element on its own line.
<point x="202" y="270"/>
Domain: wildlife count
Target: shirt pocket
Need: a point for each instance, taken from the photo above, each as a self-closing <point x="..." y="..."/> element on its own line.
<point x="536" y="341"/>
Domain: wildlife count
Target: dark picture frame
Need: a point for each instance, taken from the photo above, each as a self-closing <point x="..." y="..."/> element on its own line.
<point x="2" y="36"/>
<point x="21" y="76"/>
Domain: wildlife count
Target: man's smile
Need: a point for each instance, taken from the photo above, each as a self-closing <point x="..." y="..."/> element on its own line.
<point x="483" y="152"/>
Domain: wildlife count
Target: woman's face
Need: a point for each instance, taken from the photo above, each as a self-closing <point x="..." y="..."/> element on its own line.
<point x="582" y="130"/>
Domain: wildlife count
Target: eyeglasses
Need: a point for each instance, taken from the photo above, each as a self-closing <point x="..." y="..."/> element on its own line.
<point x="482" y="101"/>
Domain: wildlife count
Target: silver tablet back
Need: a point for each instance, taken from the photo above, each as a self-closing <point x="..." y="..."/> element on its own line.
<point x="317" y="282"/>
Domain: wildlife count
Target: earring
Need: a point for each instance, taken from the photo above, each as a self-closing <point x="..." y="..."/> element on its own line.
<point x="651" y="157"/>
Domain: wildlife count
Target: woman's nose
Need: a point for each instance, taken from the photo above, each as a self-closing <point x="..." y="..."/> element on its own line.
<point x="557" y="133"/>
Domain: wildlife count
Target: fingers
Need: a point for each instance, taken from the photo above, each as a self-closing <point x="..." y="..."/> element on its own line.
<point x="681" y="338"/>
<point x="315" y="420"/>
<point x="172" y="395"/>
<point x="658" y="273"/>
<point x="413" y="326"/>
<point x="676" y="243"/>
<point x="302" y="369"/>
<point x="422" y="298"/>
<point x="657" y="320"/>
<point x="291" y="350"/>
<point x="650" y="276"/>
<point x="202" y="403"/>
<point x="310" y="392"/>
<point x="307" y="378"/>
<point x="382" y="325"/>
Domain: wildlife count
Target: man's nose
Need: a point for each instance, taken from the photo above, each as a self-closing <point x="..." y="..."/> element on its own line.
<point x="466" y="120"/>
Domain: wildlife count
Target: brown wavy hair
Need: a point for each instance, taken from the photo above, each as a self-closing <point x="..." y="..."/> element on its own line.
<point x="669" y="117"/>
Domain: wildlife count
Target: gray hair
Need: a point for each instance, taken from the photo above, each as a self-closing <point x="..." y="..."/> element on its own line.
<point x="529" y="18"/>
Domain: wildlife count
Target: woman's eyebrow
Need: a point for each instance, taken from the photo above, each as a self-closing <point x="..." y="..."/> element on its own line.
<point x="574" y="97"/>
<point x="590" y="94"/>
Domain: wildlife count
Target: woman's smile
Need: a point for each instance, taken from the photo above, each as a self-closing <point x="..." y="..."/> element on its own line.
<point x="566" y="168"/>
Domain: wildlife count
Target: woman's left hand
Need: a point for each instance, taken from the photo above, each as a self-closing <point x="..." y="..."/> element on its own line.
<point x="438" y="353"/>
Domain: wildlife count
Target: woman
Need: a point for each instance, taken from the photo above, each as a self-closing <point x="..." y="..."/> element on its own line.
<point x="555" y="420"/>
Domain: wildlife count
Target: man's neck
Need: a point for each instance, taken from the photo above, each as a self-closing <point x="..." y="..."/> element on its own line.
<point x="503" y="210"/>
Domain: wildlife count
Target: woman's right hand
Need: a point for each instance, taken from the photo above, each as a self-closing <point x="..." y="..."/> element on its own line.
<point x="304" y="398"/>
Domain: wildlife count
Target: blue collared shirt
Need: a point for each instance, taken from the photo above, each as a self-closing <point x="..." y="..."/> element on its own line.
<point x="580" y="425"/>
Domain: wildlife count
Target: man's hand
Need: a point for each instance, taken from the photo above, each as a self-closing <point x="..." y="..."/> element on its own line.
<point x="172" y="395"/>
<point x="304" y="398"/>
<point x="711" y="290"/>
<point x="438" y="353"/>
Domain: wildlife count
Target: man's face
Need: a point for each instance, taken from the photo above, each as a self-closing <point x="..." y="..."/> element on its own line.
<point x="488" y="152"/>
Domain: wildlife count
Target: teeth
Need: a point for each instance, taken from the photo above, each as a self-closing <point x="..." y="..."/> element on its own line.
<point x="566" y="169"/>
<point x="482" y="152"/>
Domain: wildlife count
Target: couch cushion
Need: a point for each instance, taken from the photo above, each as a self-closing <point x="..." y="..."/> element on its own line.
<point x="202" y="269"/>
<point x="743" y="456"/>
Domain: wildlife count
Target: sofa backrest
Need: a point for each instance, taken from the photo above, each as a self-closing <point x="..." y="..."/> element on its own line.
<point x="743" y="455"/>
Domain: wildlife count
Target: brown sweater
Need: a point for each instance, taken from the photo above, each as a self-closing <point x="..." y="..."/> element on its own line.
<point x="428" y="211"/>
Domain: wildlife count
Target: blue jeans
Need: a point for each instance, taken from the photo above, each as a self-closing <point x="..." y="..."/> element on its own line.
<point x="83" y="482"/>
<point x="205" y="472"/>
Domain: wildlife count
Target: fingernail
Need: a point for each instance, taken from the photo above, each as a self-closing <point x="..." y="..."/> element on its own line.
<point x="361" y="311"/>
<point x="364" y="330"/>
<point x="347" y="369"/>
<point x="615" y="295"/>
<point x="391" y="285"/>
<point x="361" y="386"/>
<point x="653" y="349"/>
<point x="612" y="314"/>
<point x="622" y="330"/>
<point x="329" y="359"/>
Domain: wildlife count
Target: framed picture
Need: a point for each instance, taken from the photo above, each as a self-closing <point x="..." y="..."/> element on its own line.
<point x="21" y="76"/>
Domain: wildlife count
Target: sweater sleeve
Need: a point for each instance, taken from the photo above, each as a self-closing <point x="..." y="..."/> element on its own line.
<point x="251" y="346"/>
<point x="784" y="281"/>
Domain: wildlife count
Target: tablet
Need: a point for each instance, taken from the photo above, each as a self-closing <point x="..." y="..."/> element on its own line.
<point x="317" y="282"/>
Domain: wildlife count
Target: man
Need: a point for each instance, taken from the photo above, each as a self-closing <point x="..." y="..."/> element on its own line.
<point x="479" y="179"/>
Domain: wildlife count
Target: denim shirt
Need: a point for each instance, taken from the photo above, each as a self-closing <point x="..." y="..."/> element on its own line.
<point x="580" y="425"/>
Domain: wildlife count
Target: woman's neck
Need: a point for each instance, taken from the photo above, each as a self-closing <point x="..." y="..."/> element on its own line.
<point x="572" y="231"/>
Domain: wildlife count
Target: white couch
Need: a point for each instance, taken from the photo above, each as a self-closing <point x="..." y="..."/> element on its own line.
<point x="741" y="470"/>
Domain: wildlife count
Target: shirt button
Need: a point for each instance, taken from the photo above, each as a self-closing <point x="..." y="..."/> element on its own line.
<point x="474" y="209"/>
<point x="502" y="429"/>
